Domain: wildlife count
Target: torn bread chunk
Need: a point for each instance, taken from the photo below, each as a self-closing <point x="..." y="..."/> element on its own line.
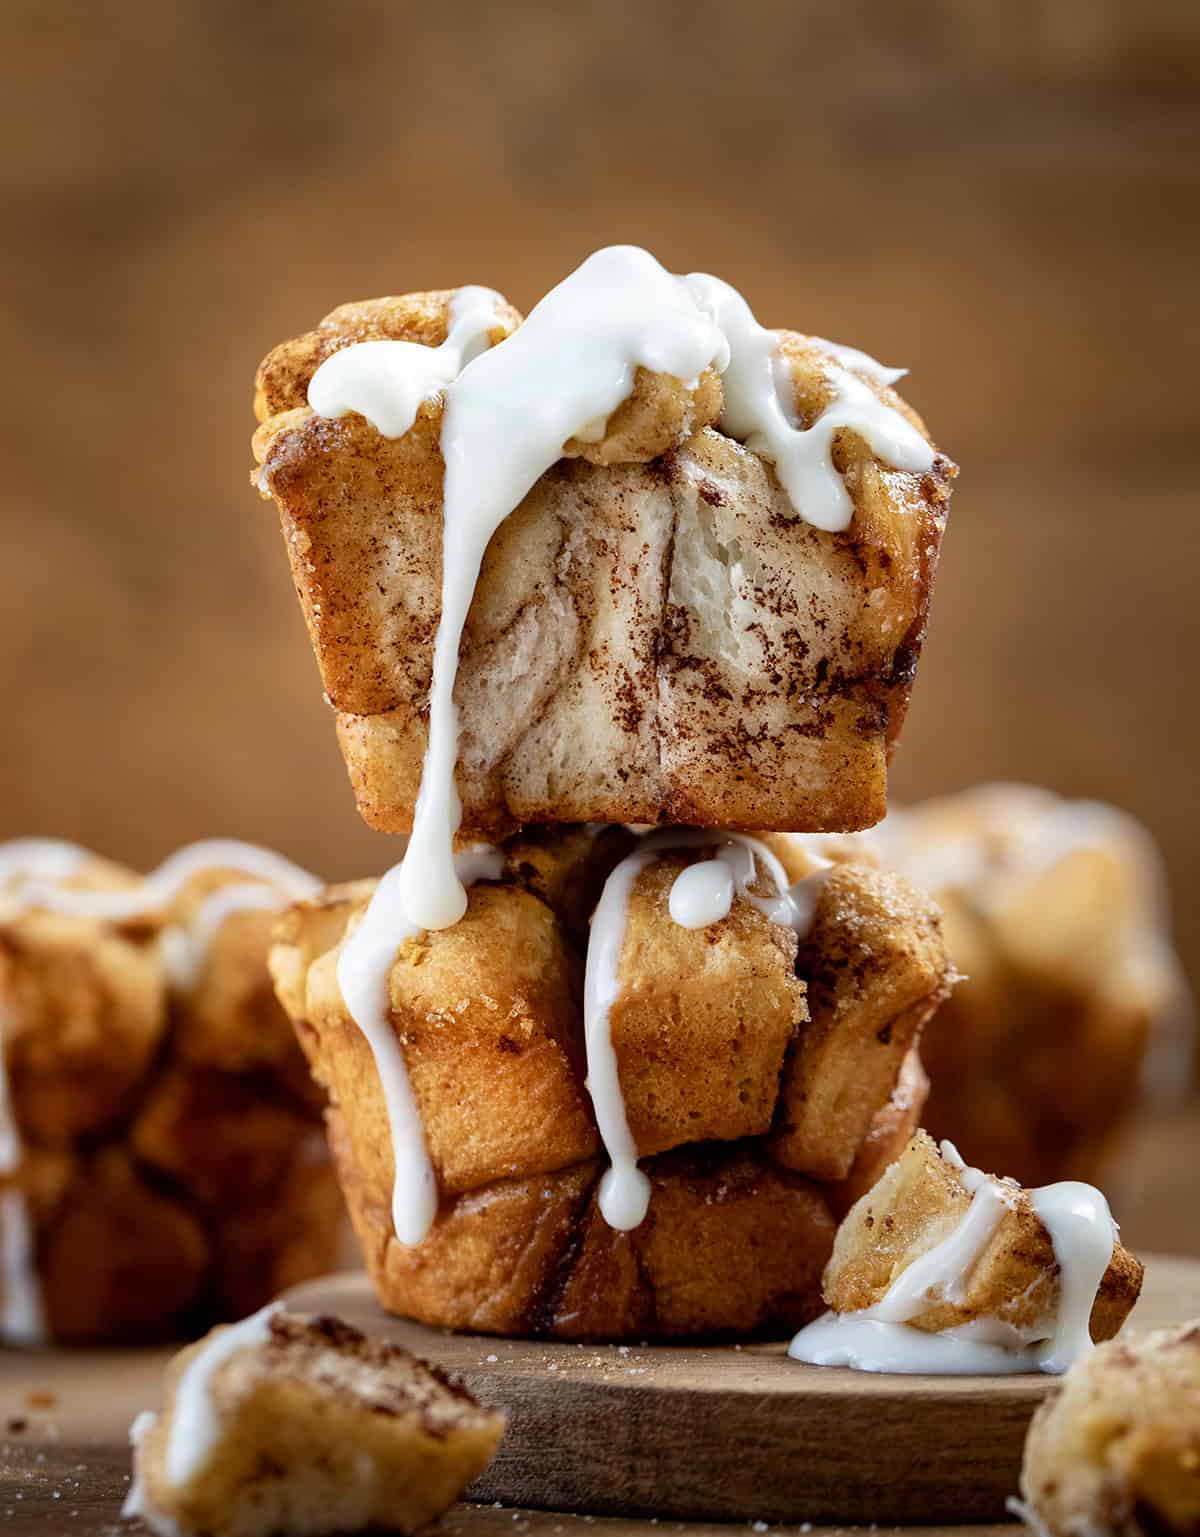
<point x="298" y="1424"/>
<point x="487" y="1017"/>
<point x="1012" y="1277"/>
<point x="1115" y="1450"/>
<point x="655" y="634"/>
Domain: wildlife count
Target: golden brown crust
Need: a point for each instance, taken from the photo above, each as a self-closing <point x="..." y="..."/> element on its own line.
<point x="917" y="1203"/>
<point x="703" y="1018"/>
<point x="731" y="1246"/>
<point x="121" y="1260"/>
<point x="655" y="635"/>
<point x="487" y="1012"/>
<point x="1115" y="1450"/>
<point x="85" y="1013"/>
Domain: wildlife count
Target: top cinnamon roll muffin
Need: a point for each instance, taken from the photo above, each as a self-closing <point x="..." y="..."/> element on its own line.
<point x="689" y="565"/>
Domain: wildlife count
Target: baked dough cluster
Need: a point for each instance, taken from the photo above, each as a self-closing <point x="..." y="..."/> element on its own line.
<point x="161" y="1132"/>
<point x="1055" y="913"/>
<point x="1115" y="1450"/>
<point x="655" y="637"/>
<point x="307" y="1427"/>
<point x="767" y="1079"/>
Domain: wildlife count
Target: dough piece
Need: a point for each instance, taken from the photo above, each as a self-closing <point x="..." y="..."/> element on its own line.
<point x="709" y="1025"/>
<point x="1115" y="1449"/>
<point x="731" y="1246"/>
<point x="84" y="1004"/>
<point x="892" y="1128"/>
<point x="489" y="1018"/>
<point x="877" y="969"/>
<point x="308" y="1427"/>
<point x="918" y="1202"/>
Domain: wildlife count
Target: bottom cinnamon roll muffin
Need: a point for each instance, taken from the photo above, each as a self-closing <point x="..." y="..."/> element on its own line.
<point x="1072" y="1004"/>
<point x="161" y="1158"/>
<point x="634" y="1130"/>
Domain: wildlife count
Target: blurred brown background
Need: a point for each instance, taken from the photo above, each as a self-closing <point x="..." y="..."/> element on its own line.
<point x="1003" y="197"/>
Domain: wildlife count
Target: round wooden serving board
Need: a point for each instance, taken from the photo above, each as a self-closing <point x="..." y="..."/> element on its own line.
<point x="739" y="1434"/>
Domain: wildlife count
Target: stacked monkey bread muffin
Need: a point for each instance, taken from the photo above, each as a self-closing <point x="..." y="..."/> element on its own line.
<point x="602" y="599"/>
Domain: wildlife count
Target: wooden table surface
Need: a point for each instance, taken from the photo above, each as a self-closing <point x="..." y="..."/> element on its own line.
<point x="64" y="1467"/>
<point x="64" y="1417"/>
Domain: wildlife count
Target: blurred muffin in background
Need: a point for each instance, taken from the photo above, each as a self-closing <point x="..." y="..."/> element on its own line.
<point x="162" y="1164"/>
<point x="1072" y="1002"/>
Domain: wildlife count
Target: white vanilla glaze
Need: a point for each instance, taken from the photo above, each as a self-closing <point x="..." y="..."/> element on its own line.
<point x="388" y="381"/>
<point x="868" y="1344"/>
<point x="36" y="868"/>
<point x="1010" y="836"/>
<point x="194" y="1429"/>
<point x="861" y="362"/>
<point x="881" y="1338"/>
<point x="363" y="969"/>
<point x="1083" y="1233"/>
<point x="759" y="411"/>
<point x="42" y="859"/>
<point x="22" y="1317"/>
<point x="511" y="409"/>
<point x="700" y="895"/>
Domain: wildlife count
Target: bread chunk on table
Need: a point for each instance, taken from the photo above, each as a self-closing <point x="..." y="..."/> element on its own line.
<point x="1115" y="1449"/>
<point x="314" y="1429"/>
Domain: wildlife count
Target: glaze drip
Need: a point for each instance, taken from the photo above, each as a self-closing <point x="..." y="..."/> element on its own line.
<point x="700" y="895"/>
<point x="363" y="969"/>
